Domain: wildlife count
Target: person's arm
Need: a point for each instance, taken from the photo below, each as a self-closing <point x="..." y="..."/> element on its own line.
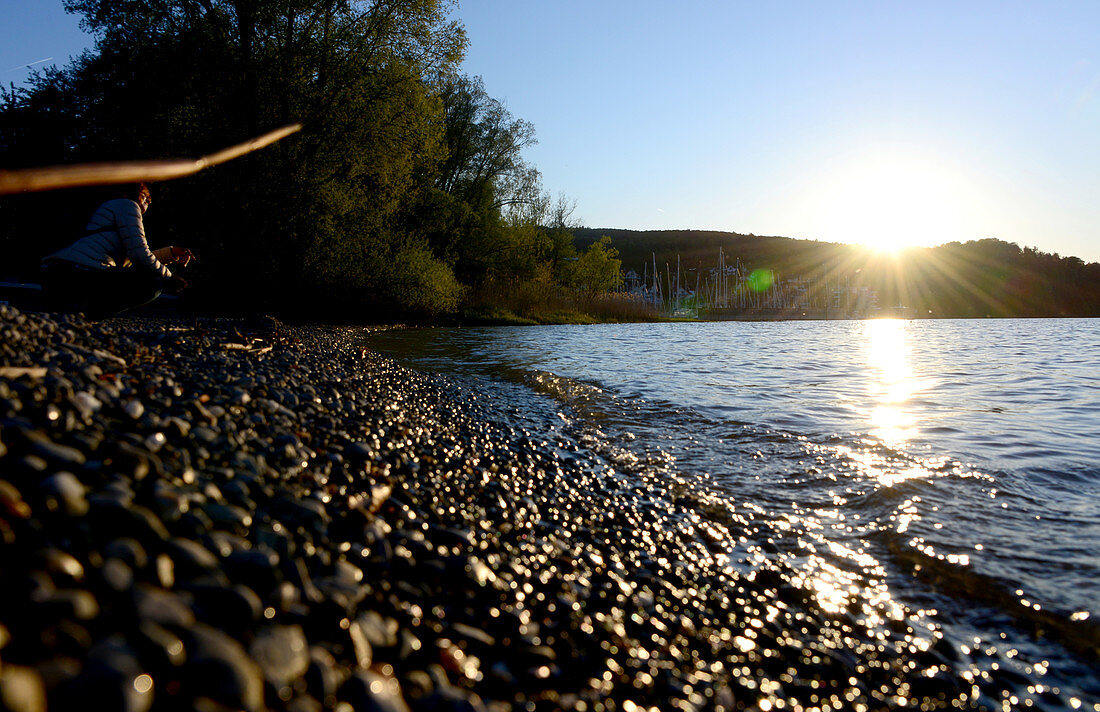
<point x="172" y="255"/>
<point x="132" y="232"/>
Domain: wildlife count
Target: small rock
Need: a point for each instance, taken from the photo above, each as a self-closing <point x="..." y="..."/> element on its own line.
<point x="257" y="567"/>
<point x="21" y="690"/>
<point x="162" y="607"/>
<point x="379" y="630"/>
<point x="127" y="550"/>
<point x="364" y="654"/>
<point x="229" y="517"/>
<point x="12" y="505"/>
<point x="86" y="403"/>
<point x="366" y="690"/>
<point x="64" y="493"/>
<point x="155" y="442"/>
<point x="74" y="604"/>
<point x="61" y="565"/>
<point x="116" y="575"/>
<point x="228" y="607"/>
<point x="56" y="453"/>
<point x="190" y="558"/>
<point x="114" y="519"/>
<point x="219" y="668"/>
<point x="161" y="648"/>
<point x="322" y="678"/>
<point x="282" y="653"/>
<point x="134" y="409"/>
<point x="113" y="678"/>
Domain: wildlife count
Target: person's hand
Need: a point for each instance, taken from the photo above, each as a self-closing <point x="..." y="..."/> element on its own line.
<point x="182" y="256"/>
<point x="176" y="284"/>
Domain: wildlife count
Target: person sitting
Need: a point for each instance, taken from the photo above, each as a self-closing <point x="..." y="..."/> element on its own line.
<point x="111" y="268"/>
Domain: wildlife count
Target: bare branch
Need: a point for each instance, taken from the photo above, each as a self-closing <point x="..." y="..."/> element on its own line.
<point x="27" y="180"/>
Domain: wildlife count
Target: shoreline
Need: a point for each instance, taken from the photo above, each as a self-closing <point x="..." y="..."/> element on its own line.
<point x="227" y="513"/>
<point x="28" y="296"/>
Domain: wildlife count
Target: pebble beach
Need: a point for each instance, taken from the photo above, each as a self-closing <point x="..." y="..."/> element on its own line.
<point x="215" y="514"/>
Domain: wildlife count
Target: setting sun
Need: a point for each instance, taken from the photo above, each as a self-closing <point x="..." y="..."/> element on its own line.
<point x="892" y="200"/>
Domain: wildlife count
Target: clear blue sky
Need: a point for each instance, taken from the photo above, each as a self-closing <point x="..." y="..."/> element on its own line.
<point x="842" y="121"/>
<point x="845" y="121"/>
<point x="36" y="30"/>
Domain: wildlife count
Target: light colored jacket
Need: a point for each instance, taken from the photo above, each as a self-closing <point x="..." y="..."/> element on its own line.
<point x="115" y="238"/>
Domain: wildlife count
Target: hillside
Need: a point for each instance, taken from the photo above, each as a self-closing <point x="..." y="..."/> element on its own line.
<point x="986" y="277"/>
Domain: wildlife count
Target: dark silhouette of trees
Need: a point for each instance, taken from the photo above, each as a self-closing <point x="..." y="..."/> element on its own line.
<point x="406" y="187"/>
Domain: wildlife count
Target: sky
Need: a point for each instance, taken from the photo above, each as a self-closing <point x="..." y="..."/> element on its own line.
<point x="885" y="123"/>
<point x="38" y="33"/>
<point x="877" y="122"/>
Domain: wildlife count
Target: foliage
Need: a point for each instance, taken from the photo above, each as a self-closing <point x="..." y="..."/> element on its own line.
<point x="350" y="209"/>
<point x="597" y="270"/>
<point x="406" y="192"/>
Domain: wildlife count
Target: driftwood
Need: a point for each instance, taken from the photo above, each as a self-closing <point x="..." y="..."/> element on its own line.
<point x="26" y="180"/>
<point x="257" y="348"/>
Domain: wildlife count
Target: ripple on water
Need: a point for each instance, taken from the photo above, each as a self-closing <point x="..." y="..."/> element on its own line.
<point x="953" y="532"/>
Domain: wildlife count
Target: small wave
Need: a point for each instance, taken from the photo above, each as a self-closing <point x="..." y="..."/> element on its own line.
<point x="1073" y="630"/>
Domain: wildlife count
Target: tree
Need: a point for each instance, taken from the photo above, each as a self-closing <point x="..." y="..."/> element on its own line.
<point x="484" y="166"/>
<point x="406" y="186"/>
<point x="597" y="270"/>
<point x="325" y="213"/>
<point x="490" y="187"/>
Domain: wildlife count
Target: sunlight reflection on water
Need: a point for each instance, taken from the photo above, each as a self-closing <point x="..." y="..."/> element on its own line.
<point x="891" y="382"/>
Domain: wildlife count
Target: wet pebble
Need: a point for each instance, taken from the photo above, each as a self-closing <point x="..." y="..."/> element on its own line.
<point x="282" y="652"/>
<point x="219" y="668"/>
<point x="64" y="493"/>
<point x="366" y="690"/>
<point x="21" y="689"/>
<point x="113" y="678"/>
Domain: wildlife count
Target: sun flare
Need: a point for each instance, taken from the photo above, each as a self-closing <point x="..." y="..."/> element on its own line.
<point x="892" y="200"/>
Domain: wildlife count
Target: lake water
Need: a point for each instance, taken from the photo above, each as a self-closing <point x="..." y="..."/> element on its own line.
<point x="961" y="458"/>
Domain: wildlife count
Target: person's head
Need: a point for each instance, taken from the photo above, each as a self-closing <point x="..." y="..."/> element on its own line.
<point x="140" y="194"/>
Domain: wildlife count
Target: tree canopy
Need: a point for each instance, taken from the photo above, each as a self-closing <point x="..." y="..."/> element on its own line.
<point x="405" y="190"/>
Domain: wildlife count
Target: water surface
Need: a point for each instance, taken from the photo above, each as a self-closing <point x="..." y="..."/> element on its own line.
<point x="957" y="460"/>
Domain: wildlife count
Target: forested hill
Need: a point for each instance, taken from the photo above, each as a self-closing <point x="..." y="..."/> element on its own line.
<point x="986" y="277"/>
<point x="700" y="247"/>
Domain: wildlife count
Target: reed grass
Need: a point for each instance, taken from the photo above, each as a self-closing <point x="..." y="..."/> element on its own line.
<point x="538" y="302"/>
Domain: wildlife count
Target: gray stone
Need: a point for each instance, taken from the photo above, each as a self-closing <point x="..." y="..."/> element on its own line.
<point x="231" y="608"/>
<point x="161" y="649"/>
<point x="127" y="550"/>
<point x="21" y="689"/>
<point x="367" y="691"/>
<point x="322" y="677"/>
<point x="113" y="678"/>
<point x="190" y="557"/>
<point x="64" y="493"/>
<point x="162" y="607"/>
<point x="282" y="652"/>
<point x="219" y="668"/>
